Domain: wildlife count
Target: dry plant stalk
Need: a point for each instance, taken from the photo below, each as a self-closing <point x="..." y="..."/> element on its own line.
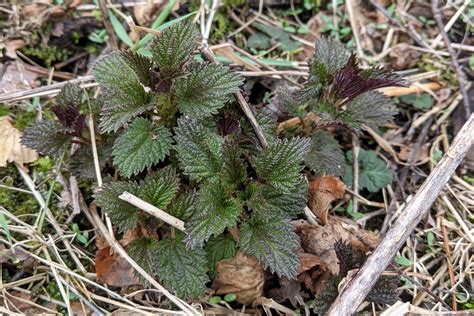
<point x="357" y="289"/>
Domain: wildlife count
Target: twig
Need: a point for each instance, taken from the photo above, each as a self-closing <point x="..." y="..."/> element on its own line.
<point x="153" y="210"/>
<point x="46" y="90"/>
<point x="119" y="249"/>
<point x="29" y="182"/>
<point x="450" y="265"/>
<point x="454" y="61"/>
<point x="357" y="289"/>
<point x="355" y="171"/>
<point x="95" y="156"/>
<point x="108" y="26"/>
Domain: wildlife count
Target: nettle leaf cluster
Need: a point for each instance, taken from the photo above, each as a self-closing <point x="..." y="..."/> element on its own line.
<point x="172" y="135"/>
<point x="340" y="93"/>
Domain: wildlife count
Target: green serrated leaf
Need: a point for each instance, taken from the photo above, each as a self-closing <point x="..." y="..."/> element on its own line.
<point x="373" y="174"/>
<point x="280" y="163"/>
<point x="269" y="202"/>
<point x="82" y="165"/>
<point x="199" y="149"/>
<point x="70" y="94"/>
<point x="234" y="170"/>
<point x="46" y="138"/>
<point x="140" y="146"/>
<point x="329" y="56"/>
<point x="122" y="214"/>
<point x="371" y="108"/>
<point x="174" y="46"/>
<point x="217" y="249"/>
<point x="183" y="205"/>
<point x="205" y="89"/>
<point x="159" y="189"/>
<point x="215" y="211"/>
<point x="144" y="251"/>
<point x="123" y="75"/>
<point x="326" y="155"/>
<point x="273" y="242"/>
<point x="183" y="271"/>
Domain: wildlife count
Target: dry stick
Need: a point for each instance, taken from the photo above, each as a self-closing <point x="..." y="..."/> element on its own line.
<point x="108" y="26"/>
<point x="153" y="210"/>
<point x="450" y="265"/>
<point x="31" y="185"/>
<point x="403" y="177"/>
<point x="45" y="90"/>
<point x="253" y="121"/>
<point x="357" y="289"/>
<point x="119" y="249"/>
<point x="355" y="171"/>
<point x="454" y="61"/>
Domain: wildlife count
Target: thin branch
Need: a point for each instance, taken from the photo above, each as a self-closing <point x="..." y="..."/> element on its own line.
<point x="357" y="289"/>
<point x="189" y="310"/>
<point x="153" y="210"/>
<point x="454" y="61"/>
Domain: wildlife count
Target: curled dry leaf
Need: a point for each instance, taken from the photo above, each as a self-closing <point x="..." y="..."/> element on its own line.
<point x="242" y="275"/>
<point x="322" y="191"/>
<point x="319" y="240"/>
<point x="10" y="148"/>
<point x="114" y="270"/>
<point x="313" y="271"/>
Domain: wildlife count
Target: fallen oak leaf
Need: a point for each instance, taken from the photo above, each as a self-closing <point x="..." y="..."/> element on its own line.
<point x="11" y="150"/>
<point x="322" y="192"/>
<point x="242" y="275"/>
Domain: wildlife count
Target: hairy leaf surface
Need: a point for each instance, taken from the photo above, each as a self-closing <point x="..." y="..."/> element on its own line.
<point x="371" y="108"/>
<point x="199" y="149"/>
<point x="325" y="156"/>
<point x="123" y="76"/>
<point x="173" y="47"/>
<point x="216" y="210"/>
<point x="205" y="89"/>
<point x="274" y="243"/>
<point x="183" y="205"/>
<point x="141" y="146"/>
<point x="122" y="214"/>
<point x="144" y="251"/>
<point x="46" y="138"/>
<point x="160" y="188"/>
<point x="280" y="163"/>
<point x="217" y="249"/>
<point x="183" y="271"/>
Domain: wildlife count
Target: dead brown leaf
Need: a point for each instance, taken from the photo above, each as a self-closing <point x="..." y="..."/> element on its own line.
<point x="12" y="46"/>
<point x="312" y="271"/>
<point x="288" y="290"/>
<point x="16" y="79"/>
<point x="10" y="148"/>
<point x="322" y="191"/>
<point x="405" y="152"/>
<point x="403" y="57"/>
<point x="114" y="270"/>
<point x="144" y="12"/>
<point x="242" y="275"/>
<point x="319" y="240"/>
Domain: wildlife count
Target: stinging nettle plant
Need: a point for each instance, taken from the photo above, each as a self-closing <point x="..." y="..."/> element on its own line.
<point x="170" y="127"/>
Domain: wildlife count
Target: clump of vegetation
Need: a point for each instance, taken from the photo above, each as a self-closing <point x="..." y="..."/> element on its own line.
<point x="171" y="130"/>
